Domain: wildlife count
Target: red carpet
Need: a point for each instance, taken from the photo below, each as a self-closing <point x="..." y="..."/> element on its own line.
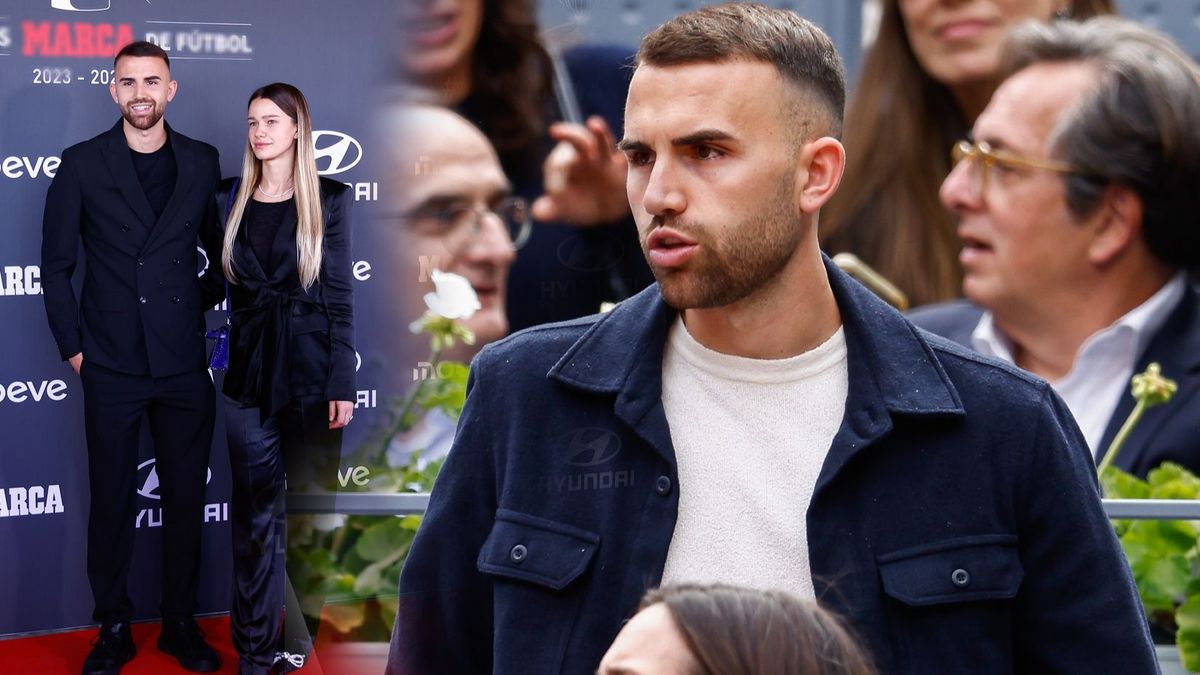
<point x="63" y="653"/>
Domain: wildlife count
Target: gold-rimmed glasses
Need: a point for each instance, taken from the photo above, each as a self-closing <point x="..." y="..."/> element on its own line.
<point x="983" y="155"/>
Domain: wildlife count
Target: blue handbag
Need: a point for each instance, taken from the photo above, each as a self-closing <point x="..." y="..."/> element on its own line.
<point x="219" y="360"/>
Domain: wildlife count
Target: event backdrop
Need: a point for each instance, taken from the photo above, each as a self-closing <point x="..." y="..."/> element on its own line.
<point x="55" y="65"/>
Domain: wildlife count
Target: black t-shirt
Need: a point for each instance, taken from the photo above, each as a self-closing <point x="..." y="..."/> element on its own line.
<point x="156" y="171"/>
<point x="262" y="221"/>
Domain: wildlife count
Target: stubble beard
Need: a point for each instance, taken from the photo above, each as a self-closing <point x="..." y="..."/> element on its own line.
<point x="156" y="114"/>
<point x="751" y="256"/>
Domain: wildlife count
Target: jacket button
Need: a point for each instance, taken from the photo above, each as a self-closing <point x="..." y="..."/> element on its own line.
<point x="960" y="577"/>
<point x="175" y="260"/>
<point x="518" y="553"/>
<point x="187" y="225"/>
<point x="663" y="485"/>
<point x="124" y="228"/>
<point x="175" y="299"/>
<point x="142" y="299"/>
<point x="141" y="261"/>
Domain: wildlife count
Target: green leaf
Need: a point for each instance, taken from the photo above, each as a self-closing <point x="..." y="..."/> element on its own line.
<point x="1187" y="617"/>
<point x="381" y="540"/>
<point x="1118" y="484"/>
<point x="344" y="617"/>
<point x="1161" y="581"/>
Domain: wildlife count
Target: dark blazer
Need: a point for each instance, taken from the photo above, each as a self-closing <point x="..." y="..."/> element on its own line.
<point x="1167" y="433"/>
<point x="287" y="341"/>
<point x="140" y="303"/>
<point x="956" y="522"/>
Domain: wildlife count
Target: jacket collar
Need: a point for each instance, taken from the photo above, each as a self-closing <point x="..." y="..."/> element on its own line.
<point x="892" y="369"/>
<point x="1176" y="347"/>
<point x="120" y="163"/>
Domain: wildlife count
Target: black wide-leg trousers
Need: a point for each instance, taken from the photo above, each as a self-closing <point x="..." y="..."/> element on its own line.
<point x="293" y="450"/>
<point x="181" y="410"/>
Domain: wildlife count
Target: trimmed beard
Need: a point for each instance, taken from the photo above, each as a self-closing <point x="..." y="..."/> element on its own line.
<point x="751" y="255"/>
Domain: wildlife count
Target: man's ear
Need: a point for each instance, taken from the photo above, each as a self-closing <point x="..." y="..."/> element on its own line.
<point x="819" y="167"/>
<point x="1118" y="226"/>
<point x="172" y="88"/>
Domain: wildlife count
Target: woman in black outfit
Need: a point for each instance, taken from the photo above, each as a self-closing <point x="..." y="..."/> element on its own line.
<point x="290" y="384"/>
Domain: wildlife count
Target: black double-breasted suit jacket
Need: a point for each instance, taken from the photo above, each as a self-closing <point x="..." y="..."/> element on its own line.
<point x="141" y="303"/>
<point x="288" y="341"/>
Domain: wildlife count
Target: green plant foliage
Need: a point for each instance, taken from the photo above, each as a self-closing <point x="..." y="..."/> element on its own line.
<point x="1163" y="554"/>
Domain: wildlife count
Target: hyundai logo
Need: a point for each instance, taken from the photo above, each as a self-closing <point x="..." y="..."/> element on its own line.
<point x="342" y="151"/>
<point x="577" y="254"/>
<point x="70" y="5"/>
<point x="204" y="265"/>
<point x="592" y="446"/>
<point x="148" y="480"/>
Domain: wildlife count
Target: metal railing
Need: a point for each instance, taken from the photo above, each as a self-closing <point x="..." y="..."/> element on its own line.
<point x="403" y="504"/>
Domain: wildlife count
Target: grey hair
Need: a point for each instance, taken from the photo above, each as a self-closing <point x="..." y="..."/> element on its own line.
<point x="1137" y="127"/>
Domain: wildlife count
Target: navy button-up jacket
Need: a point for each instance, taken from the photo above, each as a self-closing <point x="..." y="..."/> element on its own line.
<point x="956" y="522"/>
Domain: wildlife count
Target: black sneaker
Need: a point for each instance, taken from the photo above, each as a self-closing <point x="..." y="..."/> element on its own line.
<point x="113" y="649"/>
<point x="184" y="640"/>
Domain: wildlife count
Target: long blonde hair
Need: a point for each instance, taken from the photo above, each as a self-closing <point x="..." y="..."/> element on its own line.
<point x="900" y="125"/>
<point x="310" y="222"/>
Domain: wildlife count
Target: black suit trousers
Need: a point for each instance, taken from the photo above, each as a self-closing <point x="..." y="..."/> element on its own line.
<point x="295" y="447"/>
<point x="181" y="412"/>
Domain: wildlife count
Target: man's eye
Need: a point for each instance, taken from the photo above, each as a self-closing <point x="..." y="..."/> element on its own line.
<point x="707" y="152"/>
<point x="638" y="157"/>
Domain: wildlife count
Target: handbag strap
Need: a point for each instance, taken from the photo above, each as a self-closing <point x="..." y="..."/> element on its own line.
<point x="228" y="209"/>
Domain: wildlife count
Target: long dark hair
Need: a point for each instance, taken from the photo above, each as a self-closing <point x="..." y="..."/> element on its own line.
<point x="900" y="126"/>
<point x="511" y="78"/>
<point x="732" y="630"/>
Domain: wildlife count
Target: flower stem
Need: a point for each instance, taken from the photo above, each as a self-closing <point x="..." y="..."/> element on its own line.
<point x="1119" y="440"/>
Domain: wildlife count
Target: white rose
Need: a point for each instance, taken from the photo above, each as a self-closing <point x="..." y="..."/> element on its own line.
<point x="454" y="297"/>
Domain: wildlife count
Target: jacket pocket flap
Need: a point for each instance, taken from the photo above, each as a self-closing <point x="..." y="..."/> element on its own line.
<point x="311" y="322"/>
<point x="537" y="550"/>
<point x="985" y="567"/>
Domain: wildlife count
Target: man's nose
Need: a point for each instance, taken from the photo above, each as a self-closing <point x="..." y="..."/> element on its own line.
<point x="663" y="195"/>
<point x="960" y="190"/>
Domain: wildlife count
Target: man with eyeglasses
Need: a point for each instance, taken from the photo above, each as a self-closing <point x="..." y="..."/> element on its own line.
<point x="1077" y="203"/>
<point x="450" y="209"/>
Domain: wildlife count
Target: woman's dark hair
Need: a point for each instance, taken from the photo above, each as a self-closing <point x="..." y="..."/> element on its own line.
<point x="732" y="630"/>
<point x="900" y="126"/>
<point x="511" y="77"/>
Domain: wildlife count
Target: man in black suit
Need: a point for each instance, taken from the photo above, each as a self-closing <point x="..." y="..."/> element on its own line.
<point x="137" y="195"/>
<point x="1077" y="201"/>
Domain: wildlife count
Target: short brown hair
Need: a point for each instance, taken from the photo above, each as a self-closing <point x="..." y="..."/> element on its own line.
<point x="732" y="630"/>
<point x="801" y="52"/>
<point x="142" y="48"/>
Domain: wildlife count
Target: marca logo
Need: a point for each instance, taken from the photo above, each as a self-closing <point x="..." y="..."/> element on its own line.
<point x="35" y="500"/>
<point x="592" y="446"/>
<point x="342" y="151"/>
<point x="20" y="392"/>
<point x="81" y="5"/>
<point x="148" y="480"/>
<point x="20" y="166"/>
<point x="74" y="38"/>
<point x="18" y="280"/>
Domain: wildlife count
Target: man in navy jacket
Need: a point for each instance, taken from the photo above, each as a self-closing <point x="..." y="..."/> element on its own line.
<point x="949" y="509"/>
<point x="1078" y="230"/>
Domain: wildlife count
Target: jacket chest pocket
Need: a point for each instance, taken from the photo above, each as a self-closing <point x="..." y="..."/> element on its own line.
<point x="536" y="567"/>
<point x="949" y="603"/>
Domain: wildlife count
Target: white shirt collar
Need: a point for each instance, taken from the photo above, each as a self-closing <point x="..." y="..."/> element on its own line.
<point x="1101" y="369"/>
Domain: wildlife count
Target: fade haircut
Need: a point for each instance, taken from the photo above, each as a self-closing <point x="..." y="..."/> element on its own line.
<point x="142" y="48"/>
<point x="802" y="53"/>
<point x="1136" y="127"/>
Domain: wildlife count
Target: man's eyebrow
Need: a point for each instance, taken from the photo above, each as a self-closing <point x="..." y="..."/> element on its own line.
<point x="627" y="145"/>
<point x="702" y="136"/>
<point x="694" y="138"/>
